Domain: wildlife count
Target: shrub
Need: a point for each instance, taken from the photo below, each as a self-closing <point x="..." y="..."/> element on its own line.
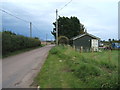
<point x="12" y="42"/>
<point x="63" y="40"/>
<point x="54" y="51"/>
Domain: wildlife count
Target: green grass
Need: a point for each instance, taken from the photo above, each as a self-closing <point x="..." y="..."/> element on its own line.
<point x="66" y="68"/>
<point x="20" y="51"/>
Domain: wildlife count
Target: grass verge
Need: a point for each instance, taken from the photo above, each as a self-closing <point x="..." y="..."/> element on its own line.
<point x="66" y="68"/>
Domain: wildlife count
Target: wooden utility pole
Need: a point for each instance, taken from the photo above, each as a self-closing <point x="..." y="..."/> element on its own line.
<point x="46" y="39"/>
<point x="57" y="21"/>
<point x="30" y="29"/>
<point x="56" y="27"/>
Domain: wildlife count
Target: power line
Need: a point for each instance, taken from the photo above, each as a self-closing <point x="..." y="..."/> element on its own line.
<point x="31" y="24"/>
<point x="19" y="18"/>
<point x="36" y="27"/>
<point x="38" y="31"/>
<point x="57" y="21"/>
<point x="66" y="5"/>
<point x="14" y="16"/>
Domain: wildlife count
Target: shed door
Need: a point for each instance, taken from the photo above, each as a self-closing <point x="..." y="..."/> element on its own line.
<point x="94" y="44"/>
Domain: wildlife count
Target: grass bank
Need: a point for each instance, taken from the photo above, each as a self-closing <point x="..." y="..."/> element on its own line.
<point x="66" y="68"/>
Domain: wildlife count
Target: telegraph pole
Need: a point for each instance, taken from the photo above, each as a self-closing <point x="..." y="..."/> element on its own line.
<point x="46" y="39"/>
<point x="56" y="27"/>
<point x="31" y="29"/>
<point x="119" y="20"/>
<point x="57" y="21"/>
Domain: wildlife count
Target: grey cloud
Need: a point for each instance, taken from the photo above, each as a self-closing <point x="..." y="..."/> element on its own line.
<point x="98" y="17"/>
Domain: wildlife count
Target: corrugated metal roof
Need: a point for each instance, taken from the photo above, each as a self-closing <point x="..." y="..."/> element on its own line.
<point x="81" y="35"/>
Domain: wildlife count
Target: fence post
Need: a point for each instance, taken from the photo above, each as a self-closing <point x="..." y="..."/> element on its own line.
<point x="74" y="47"/>
<point x="92" y="49"/>
<point x="81" y="49"/>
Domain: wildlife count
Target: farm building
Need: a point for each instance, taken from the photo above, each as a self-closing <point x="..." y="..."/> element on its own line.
<point x="86" y="42"/>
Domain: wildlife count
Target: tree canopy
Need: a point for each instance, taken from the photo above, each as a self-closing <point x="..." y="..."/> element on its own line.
<point x="69" y="27"/>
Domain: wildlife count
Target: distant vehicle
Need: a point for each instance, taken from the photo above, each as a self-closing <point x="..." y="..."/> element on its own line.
<point x="116" y="45"/>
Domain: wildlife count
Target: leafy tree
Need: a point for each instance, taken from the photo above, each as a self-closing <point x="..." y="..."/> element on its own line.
<point x="9" y="32"/>
<point x="109" y="40"/>
<point x="68" y="27"/>
<point x="36" y="38"/>
<point x="113" y="40"/>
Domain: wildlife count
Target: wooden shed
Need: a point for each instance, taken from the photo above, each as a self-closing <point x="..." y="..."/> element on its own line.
<point x="86" y="41"/>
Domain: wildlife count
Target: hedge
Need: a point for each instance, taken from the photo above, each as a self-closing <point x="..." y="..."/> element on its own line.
<point x="12" y="42"/>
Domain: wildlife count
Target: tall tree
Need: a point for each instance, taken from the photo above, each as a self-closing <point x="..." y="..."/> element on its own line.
<point x="68" y="27"/>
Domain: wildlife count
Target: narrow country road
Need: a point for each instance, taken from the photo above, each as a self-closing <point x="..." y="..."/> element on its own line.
<point x="18" y="71"/>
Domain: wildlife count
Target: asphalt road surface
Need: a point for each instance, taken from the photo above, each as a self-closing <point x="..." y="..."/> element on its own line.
<point x="18" y="71"/>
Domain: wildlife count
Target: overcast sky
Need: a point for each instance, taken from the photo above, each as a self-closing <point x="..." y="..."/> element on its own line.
<point x="100" y="17"/>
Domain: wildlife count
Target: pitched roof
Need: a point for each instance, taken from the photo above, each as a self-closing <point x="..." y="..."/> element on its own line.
<point x="81" y="35"/>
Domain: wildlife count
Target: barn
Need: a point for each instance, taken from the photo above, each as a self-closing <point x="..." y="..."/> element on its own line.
<point x="86" y="42"/>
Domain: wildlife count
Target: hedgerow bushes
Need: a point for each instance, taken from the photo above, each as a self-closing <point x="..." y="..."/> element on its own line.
<point x="12" y="42"/>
